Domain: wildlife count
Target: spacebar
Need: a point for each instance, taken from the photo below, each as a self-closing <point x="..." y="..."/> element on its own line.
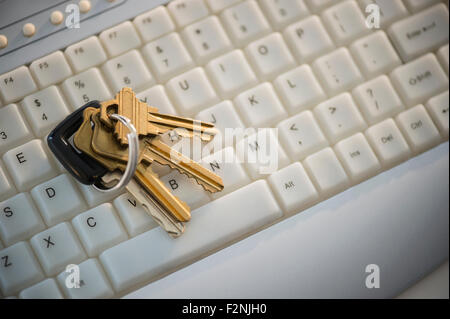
<point x="154" y="253"/>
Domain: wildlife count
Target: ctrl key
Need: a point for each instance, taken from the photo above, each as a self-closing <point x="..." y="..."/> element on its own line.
<point x="418" y="129"/>
<point x="18" y="268"/>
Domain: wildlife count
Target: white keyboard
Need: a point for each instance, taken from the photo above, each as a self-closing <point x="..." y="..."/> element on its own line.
<point x="349" y="102"/>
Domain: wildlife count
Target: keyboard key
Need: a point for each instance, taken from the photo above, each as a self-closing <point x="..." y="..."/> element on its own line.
<point x="28" y="165"/>
<point x="283" y="12"/>
<point x="219" y="5"/>
<point x="260" y="106"/>
<point x="99" y="228"/>
<point x="375" y="54"/>
<point x="167" y="56"/>
<point x="7" y="188"/>
<point x="419" y="80"/>
<point x="326" y="172"/>
<point x="58" y="200"/>
<point x="157" y="96"/>
<point x="16" y="84"/>
<point x="377" y="99"/>
<point x="133" y="215"/>
<point x="85" y="54"/>
<point x="390" y="11"/>
<point x="128" y="70"/>
<point x="245" y="22"/>
<point x="225" y="164"/>
<point x="418" y="128"/>
<point x="185" y="12"/>
<point x="50" y="69"/>
<point x="46" y="289"/>
<point x="19" y="219"/>
<point x="301" y="136"/>
<point x="417" y="5"/>
<point x="186" y="189"/>
<point x="270" y="56"/>
<point x="345" y="22"/>
<point x="339" y="117"/>
<point x="192" y="91"/>
<point x="442" y="55"/>
<point x="421" y="33"/>
<point x="44" y="110"/>
<point x="308" y="39"/>
<point x="388" y="143"/>
<point x="438" y="107"/>
<point x="206" y="39"/>
<point x="84" y="87"/>
<point x="154" y="23"/>
<point x="231" y="74"/>
<point x="18" y="268"/>
<point x="337" y="71"/>
<point x="60" y="168"/>
<point x="93" y="282"/>
<point x="357" y="157"/>
<point x="13" y="129"/>
<point x="146" y="256"/>
<point x="119" y="39"/>
<point x="299" y="89"/>
<point x="93" y="197"/>
<point x="293" y="188"/>
<point x="222" y="115"/>
<point x="56" y="248"/>
<point x="261" y="153"/>
<point x="319" y="5"/>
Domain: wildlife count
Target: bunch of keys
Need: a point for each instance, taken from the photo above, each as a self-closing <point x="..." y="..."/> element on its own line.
<point x="113" y="144"/>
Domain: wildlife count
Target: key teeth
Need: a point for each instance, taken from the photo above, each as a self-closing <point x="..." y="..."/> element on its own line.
<point x="205" y="187"/>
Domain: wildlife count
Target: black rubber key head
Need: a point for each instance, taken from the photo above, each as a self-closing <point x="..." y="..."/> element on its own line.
<point x="85" y="169"/>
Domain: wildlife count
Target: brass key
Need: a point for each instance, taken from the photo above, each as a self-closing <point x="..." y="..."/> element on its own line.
<point x="148" y="121"/>
<point x="82" y="141"/>
<point x="155" y="150"/>
<point x="144" y="175"/>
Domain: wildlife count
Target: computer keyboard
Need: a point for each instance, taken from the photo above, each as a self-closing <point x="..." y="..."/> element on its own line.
<point x="348" y="101"/>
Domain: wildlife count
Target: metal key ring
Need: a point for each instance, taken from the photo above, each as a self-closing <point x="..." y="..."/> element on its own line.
<point x="133" y="155"/>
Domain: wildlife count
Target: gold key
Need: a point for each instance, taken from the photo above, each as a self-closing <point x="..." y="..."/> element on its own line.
<point x="167" y="222"/>
<point x="144" y="175"/>
<point x="82" y="141"/>
<point x="155" y="150"/>
<point x="148" y="121"/>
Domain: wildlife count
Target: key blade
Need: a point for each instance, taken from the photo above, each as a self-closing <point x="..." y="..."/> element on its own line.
<point x="153" y="185"/>
<point x="185" y="127"/>
<point x="156" y="150"/>
<point x="173" y="227"/>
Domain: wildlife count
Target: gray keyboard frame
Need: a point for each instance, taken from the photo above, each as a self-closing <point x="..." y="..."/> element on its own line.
<point x="49" y="38"/>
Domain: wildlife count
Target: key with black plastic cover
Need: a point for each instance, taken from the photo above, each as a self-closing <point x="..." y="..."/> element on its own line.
<point x="60" y="140"/>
